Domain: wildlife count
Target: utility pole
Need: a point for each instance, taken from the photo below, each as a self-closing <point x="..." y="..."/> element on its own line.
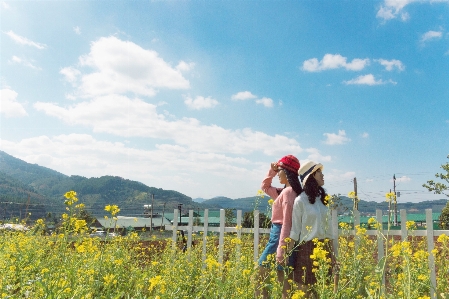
<point x="163" y="213"/>
<point x="389" y="210"/>
<point x="151" y="215"/>
<point x="356" y="199"/>
<point x="395" y="202"/>
<point x="179" y="208"/>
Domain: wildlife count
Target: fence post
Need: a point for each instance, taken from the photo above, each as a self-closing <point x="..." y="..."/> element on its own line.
<point x="404" y="232"/>
<point x="380" y="242"/>
<point x="221" y="237"/>
<point x="175" y="228"/>
<point x="256" y="235"/>
<point x="239" y="231"/>
<point x="430" y="246"/>
<point x="205" y="225"/>
<point x="190" y="230"/>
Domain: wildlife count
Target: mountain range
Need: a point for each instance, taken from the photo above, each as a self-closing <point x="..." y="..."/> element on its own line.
<point x="30" y="188"/>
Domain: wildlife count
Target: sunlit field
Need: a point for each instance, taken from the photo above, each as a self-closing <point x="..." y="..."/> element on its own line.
<point x="70" y="264"/>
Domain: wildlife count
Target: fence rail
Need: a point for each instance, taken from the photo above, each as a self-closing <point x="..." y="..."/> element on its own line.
<point x="429" y="232"/>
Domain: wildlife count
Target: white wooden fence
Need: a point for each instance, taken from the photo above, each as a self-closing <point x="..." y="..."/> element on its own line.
<point x="430" y="233"/>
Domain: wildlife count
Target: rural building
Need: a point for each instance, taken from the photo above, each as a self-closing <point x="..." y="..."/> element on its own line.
<point x="133" y="223"/>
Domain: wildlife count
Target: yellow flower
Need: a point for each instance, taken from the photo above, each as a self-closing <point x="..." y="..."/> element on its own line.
<point x="443" y="238"/>
<point x="390" y="196"/>
<point x="236" y="241"/>
<point x="80" y="248"/>
<point x="351" y="194"/>
<point x="410" y="225"/>
<point x="80" y="224"/>
<point x="422" y="277"/>
<point x="298" y="295"/>
<point x="71" y="198"/>
<point x="113" y="209"/>
<point x="155" y="281"/>
<point x="109" y="279"/>
<point x="372" y="221"/>
<point x="270" y="201"/>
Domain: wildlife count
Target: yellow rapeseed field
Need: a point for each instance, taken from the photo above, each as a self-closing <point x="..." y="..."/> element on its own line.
<point x="70" y="264"/>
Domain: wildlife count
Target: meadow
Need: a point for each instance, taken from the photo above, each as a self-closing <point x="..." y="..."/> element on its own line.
<point x="70" y="264"/>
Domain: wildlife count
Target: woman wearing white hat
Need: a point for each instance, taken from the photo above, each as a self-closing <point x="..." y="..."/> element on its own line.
<point x="310" y="220"/>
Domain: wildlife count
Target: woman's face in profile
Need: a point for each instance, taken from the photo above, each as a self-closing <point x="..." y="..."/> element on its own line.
<point x="319" y="177"/>
<point x="282" y="177"/>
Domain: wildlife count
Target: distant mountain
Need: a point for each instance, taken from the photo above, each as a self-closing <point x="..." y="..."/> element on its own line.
<point x="18" y="199"/>
<point x="30" y="188"/>
<point x="245" y="204"/>
<point x="198" y="200"/>
<point x="45" y="187"/>
<point x="345" y="205"/>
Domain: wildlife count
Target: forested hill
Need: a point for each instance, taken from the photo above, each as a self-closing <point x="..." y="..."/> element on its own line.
<point x="39" y="190"/>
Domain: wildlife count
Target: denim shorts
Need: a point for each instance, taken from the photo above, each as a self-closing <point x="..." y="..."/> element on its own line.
<point x="272" y="246"/>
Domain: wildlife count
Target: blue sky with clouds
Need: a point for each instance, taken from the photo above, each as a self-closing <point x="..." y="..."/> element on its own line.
<point x="200" y="97"/>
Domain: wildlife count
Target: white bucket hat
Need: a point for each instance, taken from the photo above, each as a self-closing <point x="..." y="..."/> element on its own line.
<point x="307" y="168"/>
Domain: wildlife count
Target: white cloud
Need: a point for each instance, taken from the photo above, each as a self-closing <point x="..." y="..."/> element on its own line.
<point x="369" y="180"/>
<point x="405" y="16"/>
<point x="184" y="66"/>
<point x="200" y="102"/>
<point x="391" y="9"/>
<point x="335" y="175"/>
<point x="120" y="67"/>
<point x="267" y="102"/>
<point x="126" y="117"/>
<point x="391" y="64"/>
<point x="339" y="138"/>
<point x="77" y="30"/>
<point x="334" y="61"/>
<point x="402" y="179"/>
<point x="315" y="155"/>
<point x="9" y="105"/>
<point x="23" y="62"/>
<point x="71" y="74"/>
<point x="5" y="5"/>
<point x="365" y="135"/>
<point x="431" y="35"/>
<point x="243" y="95"/>
<point x="367" y="80"/>
<point x="24" y="41"/>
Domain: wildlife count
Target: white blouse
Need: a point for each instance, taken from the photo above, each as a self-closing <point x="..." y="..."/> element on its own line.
<point x="310" y="221"/>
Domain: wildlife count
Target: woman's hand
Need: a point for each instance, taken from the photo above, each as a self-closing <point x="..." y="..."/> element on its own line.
<point x="274" y="166"/>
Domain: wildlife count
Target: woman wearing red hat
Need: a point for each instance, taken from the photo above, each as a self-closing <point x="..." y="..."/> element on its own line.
<point x="287" y="170"/>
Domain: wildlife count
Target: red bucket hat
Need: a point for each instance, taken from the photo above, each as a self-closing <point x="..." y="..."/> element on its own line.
<point x="289" y="162"/>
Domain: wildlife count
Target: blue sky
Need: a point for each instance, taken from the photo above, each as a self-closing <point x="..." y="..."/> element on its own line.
<point x="199" y="97"/>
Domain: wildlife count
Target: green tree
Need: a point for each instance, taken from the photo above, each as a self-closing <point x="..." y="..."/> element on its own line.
<point x="229" y="217"/>
<point x="248" y="220"/>
<point x="441" y="188"/>
<point x="83" y="214"/>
